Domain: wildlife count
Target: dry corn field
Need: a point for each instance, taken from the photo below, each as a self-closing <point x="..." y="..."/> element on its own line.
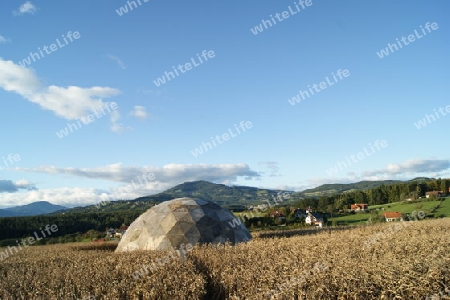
<point x="407" y="263"/>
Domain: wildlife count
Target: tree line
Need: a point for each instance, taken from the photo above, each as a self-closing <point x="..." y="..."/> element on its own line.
<point x="376" y="196"/>
<point x="22" y="227"/>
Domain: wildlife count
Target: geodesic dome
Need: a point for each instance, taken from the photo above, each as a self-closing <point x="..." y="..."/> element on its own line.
<point x="173" y="223"/>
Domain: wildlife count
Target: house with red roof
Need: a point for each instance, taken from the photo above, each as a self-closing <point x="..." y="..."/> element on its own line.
<point x="391" y="216"/>
<point x="277" y="214"/>
<point x="359" y="207"/>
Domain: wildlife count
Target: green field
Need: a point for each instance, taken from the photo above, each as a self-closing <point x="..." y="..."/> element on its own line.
<point x="405" y="207"/>
<point x="402" y="207"/>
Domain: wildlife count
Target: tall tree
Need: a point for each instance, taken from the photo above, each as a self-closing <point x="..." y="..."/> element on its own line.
<point x="445" y="185"/>
<point x="421" y="189"/>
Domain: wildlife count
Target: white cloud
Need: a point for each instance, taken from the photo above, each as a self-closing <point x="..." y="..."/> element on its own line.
<point x="149" y="92"/>
<point x="3" y="40"/>
<point x="67" y="102"/>
<point x="315" y="182"/>
<point x="72" y="102"/>
<point x="24" y="184"/>
<point x="14" y="78"/>
<point x="413" y="166"/>
<point x="139" y="112"/>
<point x="115" y="116"/>
<point x="406" y="170"/>
<point x="119" y="62"/>
<point x="119" y="128"/>
<point x="170" y="174"/>
<point x="285" y="187"/>
<point x="164" y="177"/>
<point x="26" y="8"/>
<point x="272" y="166"/>
<point x="115" y="126"/>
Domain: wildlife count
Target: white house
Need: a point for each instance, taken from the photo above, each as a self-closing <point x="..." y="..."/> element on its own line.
<point x="314" y="219"/>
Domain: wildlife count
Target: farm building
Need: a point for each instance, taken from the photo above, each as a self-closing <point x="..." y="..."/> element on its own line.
<point x="359" y="207"/>
<point x="391" y="216"/>
<point x="277" y="214"/>
<point x="110" y="233"/>
<point x="314" y="219"/>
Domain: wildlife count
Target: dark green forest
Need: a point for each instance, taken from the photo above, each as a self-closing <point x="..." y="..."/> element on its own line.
<point x="380" y="195"/>
<point x="22" y="227"/>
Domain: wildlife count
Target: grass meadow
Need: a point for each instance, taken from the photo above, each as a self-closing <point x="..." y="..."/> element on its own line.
<point x="429" y="207"/>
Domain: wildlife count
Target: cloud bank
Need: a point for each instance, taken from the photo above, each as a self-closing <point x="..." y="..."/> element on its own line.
<point x="165" y="177"/>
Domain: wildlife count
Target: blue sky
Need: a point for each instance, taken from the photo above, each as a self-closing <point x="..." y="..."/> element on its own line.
<point x="250" y="78"/>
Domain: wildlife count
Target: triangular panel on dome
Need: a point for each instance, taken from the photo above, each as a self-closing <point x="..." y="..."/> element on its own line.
<point x="224" y="215"/>
<point x="207" y="220"/>
<point x="201" y="202"/>
<point x="197" y="213"/>
<point x="134" y="235"/>
<point x="168" y="222"/>
<point x="176" y="230"/>
<point x="186" y="226"/>
<point x="159" y="209"/>
<point x="183" y="216"/>
<point x="177" y="240"/>
<point x="157" y="230"/>
<point x="193" y="235"/>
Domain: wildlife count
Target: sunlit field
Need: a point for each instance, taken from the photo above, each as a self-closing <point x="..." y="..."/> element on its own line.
<point x="404" y="260"/>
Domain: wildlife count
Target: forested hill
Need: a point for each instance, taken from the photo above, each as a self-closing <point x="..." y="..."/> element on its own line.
<point x="32" y="209"/>
<point x="226" y="196"/>
<point x="218" y="193"/>
<point x="337" y="188"/>
<point x="383" y="194"/>
<point x="232" y="196"/>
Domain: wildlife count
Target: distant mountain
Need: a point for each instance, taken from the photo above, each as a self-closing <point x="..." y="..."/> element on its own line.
<point x="32" y="209"/>
<point x="337" y="188"/>
<point x="218" y="193"/>
<point x="422" y="179"/>
<point x="232" y="197"/>
<point x="7" y="213"/>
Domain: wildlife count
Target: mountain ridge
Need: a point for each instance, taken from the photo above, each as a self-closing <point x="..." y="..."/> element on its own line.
<point x="31" y="209"/>
<point x="234" y="197"/>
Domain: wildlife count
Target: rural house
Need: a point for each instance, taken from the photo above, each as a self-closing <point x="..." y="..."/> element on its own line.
<point x="111" y="233"/>
<point x="391" y="216"/>
<point x="276" y="213"/>
<point x="437" y="194"/>
<point x="359" y="207"/>
<point x="300" y="213"/>
<point x="314" y="218"/>
<point x="279" y="215"/>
